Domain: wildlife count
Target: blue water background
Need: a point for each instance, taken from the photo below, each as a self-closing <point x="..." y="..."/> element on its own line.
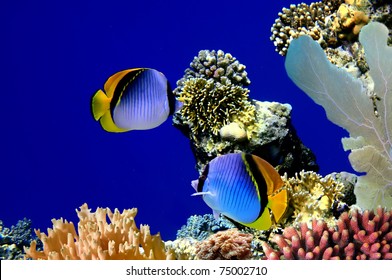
<point x="55" y="55"/>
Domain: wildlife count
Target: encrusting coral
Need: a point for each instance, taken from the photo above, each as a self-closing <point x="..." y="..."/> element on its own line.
<point x="98" y="240"/>
<point x="359" y="236"/>
<point x="230" y="244"/>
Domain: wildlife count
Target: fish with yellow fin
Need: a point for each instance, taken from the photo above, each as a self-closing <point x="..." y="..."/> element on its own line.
<point x="244" y="188"/>
<point x="133" y="99"/>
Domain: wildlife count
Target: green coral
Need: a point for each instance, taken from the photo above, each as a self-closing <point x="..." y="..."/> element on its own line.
<point x="208" y="106"/>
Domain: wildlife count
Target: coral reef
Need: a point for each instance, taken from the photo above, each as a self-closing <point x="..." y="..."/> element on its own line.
<point x="230" y="244"/>
<point x="348" y="180"/>
<point x="332" y="24"/>
<point x="219" y="117"/>
<point x="97" y="239"/>
<point x="363" y="110"/>
<point x="205" y="106"/>
<point x="184" y="248"/>
<point x="360" y="236"/>
<point x="201" y="227"/>
<point x="313" y="196"/>
<point x="222" y="68"/>
<point x="12" y="240"/>
<point x="303" y="19"/>
<point x="348" y="21"/>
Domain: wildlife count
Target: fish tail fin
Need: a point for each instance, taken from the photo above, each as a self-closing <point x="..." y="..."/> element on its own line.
<point x="278" y="204"/>
<point x="100" y="107"/>
<point x="100" y="104"/>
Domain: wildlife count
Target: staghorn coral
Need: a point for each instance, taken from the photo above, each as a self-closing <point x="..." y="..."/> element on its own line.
<point x="312" y="196"/>
<point x="230" y="244"/>
<point x="97" y="239"/>
<point x="360" y="236"/>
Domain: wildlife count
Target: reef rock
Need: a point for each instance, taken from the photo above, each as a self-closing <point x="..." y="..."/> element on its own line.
<point x="219" y="117"/>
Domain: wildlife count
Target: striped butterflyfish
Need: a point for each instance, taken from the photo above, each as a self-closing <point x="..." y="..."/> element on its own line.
<point x="244" y="188"/>
<point x="133" y="99"/>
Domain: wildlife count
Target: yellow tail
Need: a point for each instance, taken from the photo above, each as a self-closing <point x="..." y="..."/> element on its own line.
<point x="278" y="204"/>
<point x="100" y="104"/>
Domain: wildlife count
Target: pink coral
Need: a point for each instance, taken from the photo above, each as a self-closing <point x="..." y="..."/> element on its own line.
<point x="360" y="236"/>
<point x="225" y="245"/>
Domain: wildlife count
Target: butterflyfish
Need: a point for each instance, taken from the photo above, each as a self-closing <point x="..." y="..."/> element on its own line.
<point x="244" y="188"/>
<point x="133" y="99"/>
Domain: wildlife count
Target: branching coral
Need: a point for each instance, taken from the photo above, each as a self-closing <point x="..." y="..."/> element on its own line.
<point x="303" y="19"/>
<point x="208" y="106"/>
<point x="312" y="196"/>
<point x="360" y="236"/>
<point x="98" y="239"/>
<point x="225" y="245"/>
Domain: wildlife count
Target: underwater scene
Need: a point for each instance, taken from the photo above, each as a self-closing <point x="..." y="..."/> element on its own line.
<point x="205" y="130"/>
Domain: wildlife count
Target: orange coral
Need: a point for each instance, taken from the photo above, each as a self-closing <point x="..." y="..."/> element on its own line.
<point x="225" y="245"/>
<point x="349" y="21"/>
<point x="98" y="239"/>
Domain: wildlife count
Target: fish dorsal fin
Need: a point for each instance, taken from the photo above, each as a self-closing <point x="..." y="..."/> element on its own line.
<point x="263" y="222"/>
<point x="271" y="176"/>
<point x="278" y="204"/>
<point x="113" y="81"/>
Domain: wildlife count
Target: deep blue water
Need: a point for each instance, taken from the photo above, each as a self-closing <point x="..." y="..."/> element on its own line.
<point x="55" y="56"/>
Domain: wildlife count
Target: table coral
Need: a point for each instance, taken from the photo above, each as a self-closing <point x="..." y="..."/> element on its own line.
<point x="230" y="244"/>
<point x="360" y="236"/>
<point x="97" y="239"/>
